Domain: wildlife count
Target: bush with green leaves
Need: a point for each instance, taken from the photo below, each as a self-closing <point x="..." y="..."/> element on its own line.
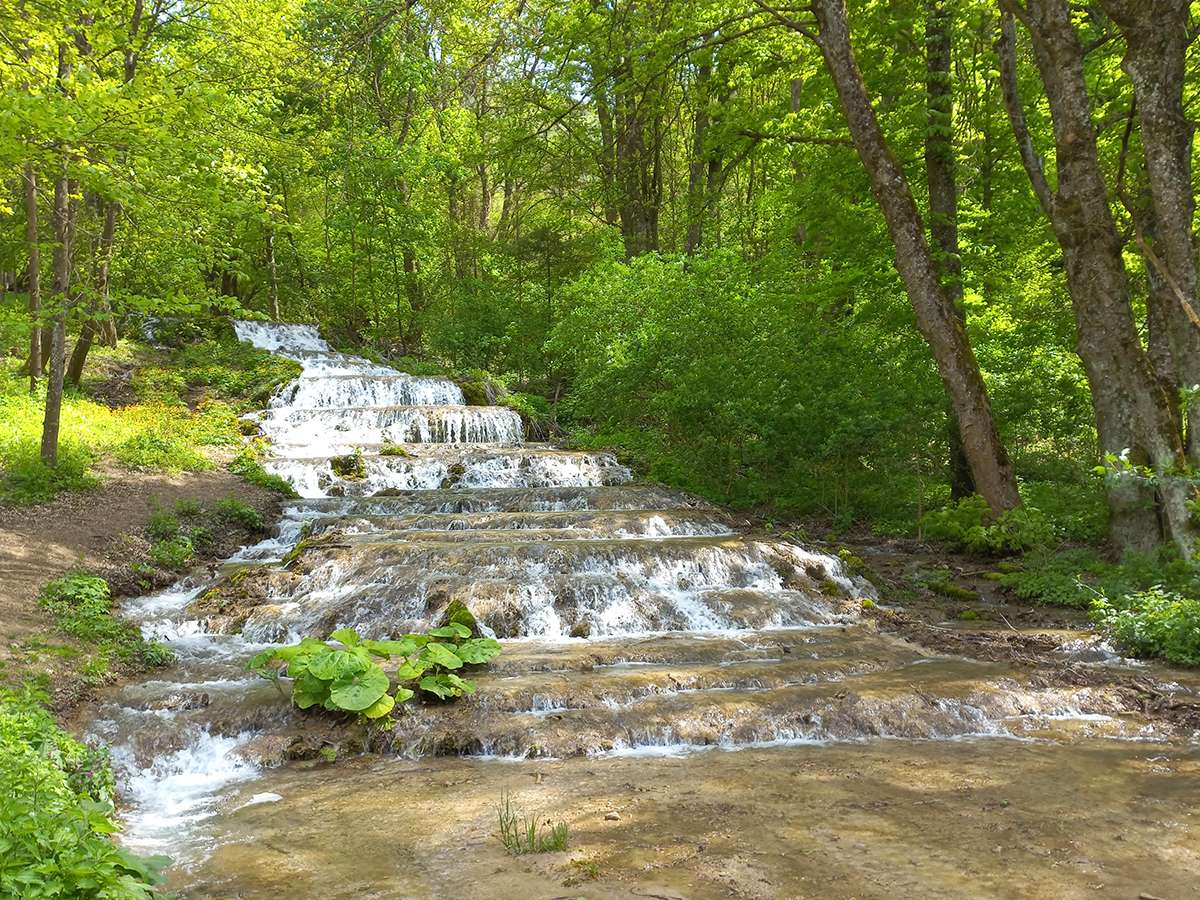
<point x="971" y="525"/>
<point x="173" y="553"/>
<point x="346" y="672"/>
<point x="56" y="813"/>
<point x="1156" y="622"/>
<point x="236" y="512"/>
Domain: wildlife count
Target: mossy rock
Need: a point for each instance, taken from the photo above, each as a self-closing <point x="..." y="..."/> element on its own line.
<point x="351" y="466"/>
<point x="395" y="450"/>
<point x="953" y="591"/>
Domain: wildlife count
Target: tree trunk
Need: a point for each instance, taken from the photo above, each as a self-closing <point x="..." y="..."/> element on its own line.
<point x="1156" y="41"/>
<point x="64" y="234"/>
<point x="273" y="272"/>
<point x="943" y="201"/>
<point x="1134" y="417"/>
<point x="696" y="192"/>
<point x="35" y="277"/>
<point x="92" y="327"/>
<point x="937" y="319"/>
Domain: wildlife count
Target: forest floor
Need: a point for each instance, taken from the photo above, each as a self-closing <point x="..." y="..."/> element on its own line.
<point x="102" y="531"/>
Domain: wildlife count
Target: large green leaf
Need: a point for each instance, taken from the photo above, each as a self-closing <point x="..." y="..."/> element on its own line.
<point x="478" y="650"/>
<point x="308" y="690"/>
<point x="447" y="685"/>
<point x="453" y="630"/>
<point x="356" y="692"/>
<point x="338" y="664"/>
<point x="441" y="655"/>
<point x="380" y="707"/>
<point x="346" y="636"/>
<point x="387" y="649"/>
<point x="414" y="668"/>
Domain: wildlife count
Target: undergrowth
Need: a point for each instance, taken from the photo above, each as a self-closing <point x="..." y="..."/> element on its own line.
<point x="57" y="814"/>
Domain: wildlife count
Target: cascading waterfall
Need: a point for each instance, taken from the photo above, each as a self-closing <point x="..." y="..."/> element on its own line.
<point x="636" y="618"/>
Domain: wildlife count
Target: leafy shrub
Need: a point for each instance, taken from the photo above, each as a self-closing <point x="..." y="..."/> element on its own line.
<point x="350" y="678"/>
<point x="1156" y="622"/>
<point x="236" y="512"/>
<point x="56" y="813"/>
<point x="971" y="525"/>
<point x="173" y="553"/>
<point x="162" y="525"/>
<point x="81" y="605"/>
<point x="522" y="834"/>
<point x="25" y="479"/>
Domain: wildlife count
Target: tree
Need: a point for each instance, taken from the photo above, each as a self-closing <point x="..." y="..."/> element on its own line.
<point x="1135" y="415"/>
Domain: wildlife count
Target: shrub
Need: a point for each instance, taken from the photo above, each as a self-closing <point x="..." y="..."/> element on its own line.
<point x="81" y="605"/>
<point x="162" y="525"/>
<point x="236" y="512"/>
<point x="350" y="677"/>
<point x="971" y="525"/>
<point x="246" y="465"/>
<point x="173" y="553"/>
<point x="188" y="509"/>
<point x="56" y="813"/>
<point x="1156" y="622"/>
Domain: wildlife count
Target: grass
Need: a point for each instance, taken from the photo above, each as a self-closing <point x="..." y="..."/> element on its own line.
<point x="520" y="834"/>
<point x="183" y="401"/>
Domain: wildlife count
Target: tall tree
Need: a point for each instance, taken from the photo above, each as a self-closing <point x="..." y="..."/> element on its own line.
<point x="1135" y="416"/>
<point x="937" y="318"/>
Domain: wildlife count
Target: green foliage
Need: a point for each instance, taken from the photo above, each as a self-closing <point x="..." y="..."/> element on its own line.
<point x="346" y="674"/>
<point x="173" y="553"/>
<point x="246" y="464"/>
<point x="162" y="525"/>
<point x="186" y="509"/>
<point x="235" y="511"/>
<point x="522" y="834"/>
<point x="394" y="450"/>
<point x="970" y="525"/>
<point x="81" y="606"/>
<point x="1155" y="622"/>
<point x="351" y="466"/>
<point x="57" y="815"/>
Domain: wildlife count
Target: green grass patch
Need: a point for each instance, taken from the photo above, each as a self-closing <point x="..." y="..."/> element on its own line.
<point x="521" y="834"/>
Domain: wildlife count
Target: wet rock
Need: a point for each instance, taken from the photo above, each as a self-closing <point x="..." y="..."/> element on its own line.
<point x="613" y="816"/>
<point x="180" y="700"/>
<point x="581" y="629"/>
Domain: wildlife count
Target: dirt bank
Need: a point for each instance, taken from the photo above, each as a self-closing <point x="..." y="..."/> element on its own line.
<point x="102" y="531"/>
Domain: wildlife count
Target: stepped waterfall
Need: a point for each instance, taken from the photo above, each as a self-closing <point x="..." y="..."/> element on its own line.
<point x="640" y="627"/>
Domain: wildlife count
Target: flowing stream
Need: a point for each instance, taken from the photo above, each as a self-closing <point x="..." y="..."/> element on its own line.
<point x="644" y="638"/>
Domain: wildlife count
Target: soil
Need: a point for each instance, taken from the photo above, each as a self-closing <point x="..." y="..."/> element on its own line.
<point x="102" y="531"/>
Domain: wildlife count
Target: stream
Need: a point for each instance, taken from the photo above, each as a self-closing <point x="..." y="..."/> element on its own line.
<point x="703" y="707"/>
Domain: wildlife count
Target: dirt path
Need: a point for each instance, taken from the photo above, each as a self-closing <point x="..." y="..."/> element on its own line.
<point x="93" y="530"/>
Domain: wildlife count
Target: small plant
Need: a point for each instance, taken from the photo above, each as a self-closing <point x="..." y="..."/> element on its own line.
<point x="352" y="467"/>
<point x="246" y="465"/>
<point x="81" y="604"/>
<point x="162" y="525"/>
<point x="971" y="525"/>
<point x="187" y="509"/>
<point x="236" y="512"/>
<point x="348" y="676"/>
<point x="173" y="553"/>
<point x="522" y="834"/>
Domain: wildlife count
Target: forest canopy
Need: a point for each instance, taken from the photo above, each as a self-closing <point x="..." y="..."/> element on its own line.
<point x="846" y="260"/>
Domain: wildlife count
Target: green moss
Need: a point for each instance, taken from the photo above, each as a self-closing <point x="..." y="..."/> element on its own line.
<point x="352" y="467"/>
